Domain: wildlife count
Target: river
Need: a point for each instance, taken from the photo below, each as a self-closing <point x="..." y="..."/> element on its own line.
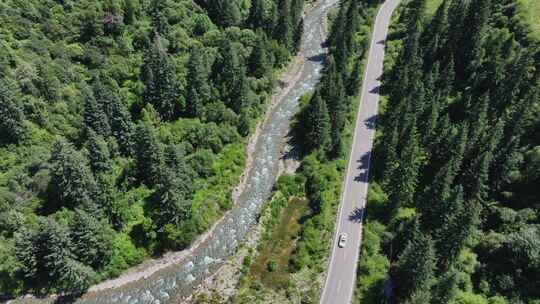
<point x="178" y="280"/>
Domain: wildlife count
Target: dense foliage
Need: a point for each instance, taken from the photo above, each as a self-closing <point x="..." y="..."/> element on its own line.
<point x="454" y="215"/>
<point x="123" y="125"/>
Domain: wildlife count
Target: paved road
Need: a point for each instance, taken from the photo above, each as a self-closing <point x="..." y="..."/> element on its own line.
<point x="340" y="281"/>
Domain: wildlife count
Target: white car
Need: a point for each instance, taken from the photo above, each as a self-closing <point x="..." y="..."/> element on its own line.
<point x="342" y="240"/>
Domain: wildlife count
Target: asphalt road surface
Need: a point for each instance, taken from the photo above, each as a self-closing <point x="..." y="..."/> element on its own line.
<point x="339" y="285"/>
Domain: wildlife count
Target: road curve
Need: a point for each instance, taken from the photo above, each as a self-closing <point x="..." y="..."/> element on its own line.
<point x="340" y="281"/>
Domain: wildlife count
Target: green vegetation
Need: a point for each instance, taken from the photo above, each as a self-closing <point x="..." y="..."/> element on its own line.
<point x="527" y="13"/>
<point x="452" y="211"/>
<point x="289" y="270"/>
<point x="124" y="125"/>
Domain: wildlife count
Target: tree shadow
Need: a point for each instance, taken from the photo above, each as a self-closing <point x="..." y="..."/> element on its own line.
<point x="381" y="42"/>
<point x="364" y="167"/>
<point x="370" y="122"/>
<point x="357" y="215"/>
<point x="317" y="58"/>
<point x="375" y="90"/>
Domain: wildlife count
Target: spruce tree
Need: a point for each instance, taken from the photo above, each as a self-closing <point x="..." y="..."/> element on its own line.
<point x="91" y="241"/>
<point x="122" y="125"/>
<point x="259" y="61"/>
<point x="72" y="180"/>
<point x="256" y="18"/>
<point x="433" y="200"/>
<point x="148" y="155"/>
<point x="413" y="272"/>
<point x="404" y="178"/>
<point x="160" y="24"/>
<point x="11" y="115"/>
<point x="317" y="124"/>
<point x="171" y="204"/>
<point x="456" y="227"/>
<point x="159" y="77"/>
<point x="95" y="117"/>
<point x="285" y="29"/>
<point x="224" y="12"/>
<point x="47" y="261"/>
<point x="198" y="89"/>
<point x="241" y="93"/>
<point x="98" y="152"/>
<point x="227" y="70"/>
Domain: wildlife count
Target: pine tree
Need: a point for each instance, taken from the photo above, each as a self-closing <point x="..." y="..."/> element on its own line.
<point x="434" y="38"/>
<point x="256" y="18"/>
<point x="160" y="23"/>
<point x="447" y="287"/>
<point x="433" y="200"/>
<point x="121" y="125"/>
<point x="227" y="70"/>
<point x="259" y="61"/>
<point x="317" y="124"/>
<point x="414" y="270"/>
<point x="91" y="241"/>
<point x="72" y="179"/>
<point x="47" y="261"/>
<point x="148" y="155"/>
<point x="198" y="89"/>
<point x="240" y="95"/>
<point x="100" y="158"/>
<point x="11" y="115"/>
<point x="284" y="29"/>
<point x="224" y="12"/>
<point x="95" y="117"/>
<point x="405" y="177"/>
<point x="159" y="77"/>
<point x="170" y="201"/>
<point x="456" y="227"/>
<point x="391" y="156"/>
<point x="354" y="82"/>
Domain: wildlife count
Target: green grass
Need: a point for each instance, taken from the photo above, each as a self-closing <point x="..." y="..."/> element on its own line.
<point x="277" y="250"/>
<point x="529" y="12"/>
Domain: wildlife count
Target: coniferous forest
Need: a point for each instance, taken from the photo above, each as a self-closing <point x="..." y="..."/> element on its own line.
<point x="123" y="127"/>
<point x="453" y="211"/>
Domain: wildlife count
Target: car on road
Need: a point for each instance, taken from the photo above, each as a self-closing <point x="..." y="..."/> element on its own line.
<point x="342" y="240"/>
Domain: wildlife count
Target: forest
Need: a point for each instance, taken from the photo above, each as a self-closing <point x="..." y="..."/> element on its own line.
<point x="453" y="212"/>
<point x="123" y="127"/>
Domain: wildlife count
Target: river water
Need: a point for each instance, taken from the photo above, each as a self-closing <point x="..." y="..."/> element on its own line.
<point x="177" y="281"/>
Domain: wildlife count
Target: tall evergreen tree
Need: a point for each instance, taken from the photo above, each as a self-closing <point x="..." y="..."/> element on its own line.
<point x="285" y="29"/>
<point x="414" y="270"/>
<point x="121" y="125"/>
<point x="198" y="89"/>
<point x="456" y="227"/>
<point x="47" y="260"/>
<point x="159" y="77"/>
<point x="171" y="204"/>
<point x="405" y="177"/>
<point x="148" y="155"/>
<point x="72" y="180"/>
<point x="224" y="12"/>
<point x="257" y="18"/>
<point x="11" y="115"/>
<point x="91" y="240"/>
<point x="317" y="124"/>
<point x="95" y="117"/>
<point x="160" y="23"/>
<point x="100" y="158"/>
<point x="259" y="61"/>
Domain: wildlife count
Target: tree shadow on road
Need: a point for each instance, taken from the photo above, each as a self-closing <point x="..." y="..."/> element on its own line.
<point x="357" y="215"/>
<point x="364" y="167"/>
